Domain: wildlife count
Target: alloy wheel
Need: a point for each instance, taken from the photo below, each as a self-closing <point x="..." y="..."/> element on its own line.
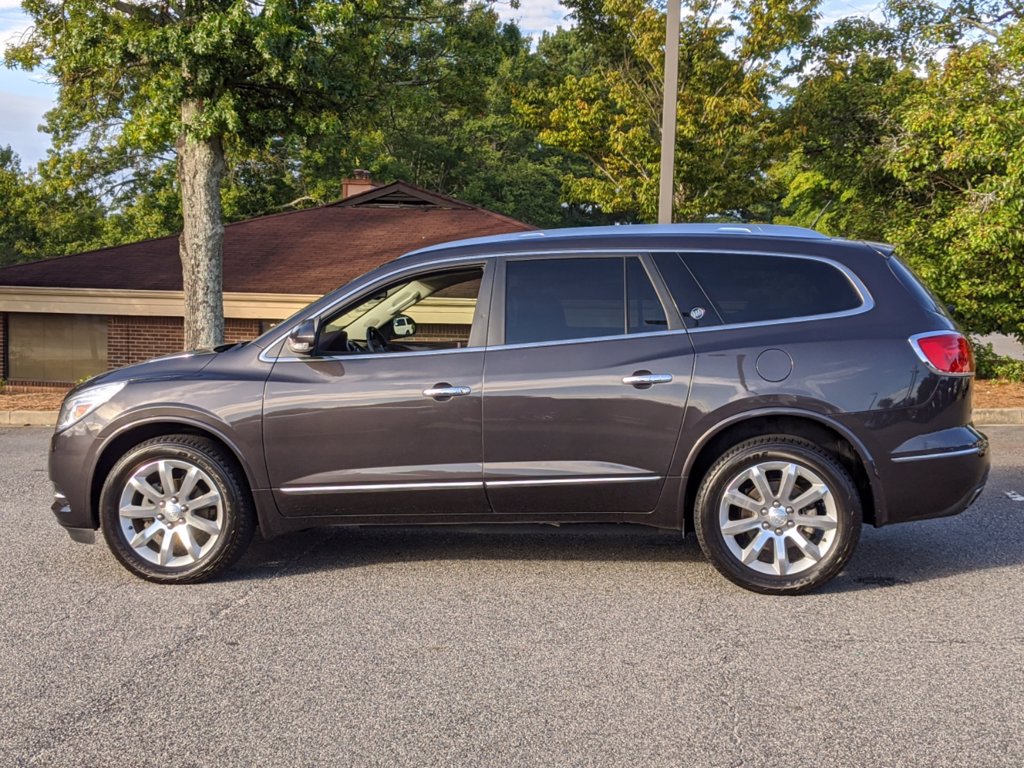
<point x="778" y="518"/>
<point x="171" y="513"/>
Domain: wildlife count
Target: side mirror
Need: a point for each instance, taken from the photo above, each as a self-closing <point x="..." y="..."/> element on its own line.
<point x="403" y="325"/>
<point x="302" y="340"/>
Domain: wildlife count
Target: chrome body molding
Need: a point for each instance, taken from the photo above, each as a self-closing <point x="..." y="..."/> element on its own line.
<point x="974" y="451"/>
<point x="453" y="484"/>
<point x="571" y="481"/>
<point x="355" y="487"/>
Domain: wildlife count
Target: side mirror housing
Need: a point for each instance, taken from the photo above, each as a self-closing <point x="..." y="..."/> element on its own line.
<point x="302" y="340"/>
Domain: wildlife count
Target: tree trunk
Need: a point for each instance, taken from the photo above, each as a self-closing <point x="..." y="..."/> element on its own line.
<point x="200" y="171"/>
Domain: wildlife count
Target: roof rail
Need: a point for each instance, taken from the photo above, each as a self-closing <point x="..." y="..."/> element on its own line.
<point x="642" y="230"/>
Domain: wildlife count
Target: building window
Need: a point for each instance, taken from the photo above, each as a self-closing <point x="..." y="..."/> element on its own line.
<point x="56" y="348"/>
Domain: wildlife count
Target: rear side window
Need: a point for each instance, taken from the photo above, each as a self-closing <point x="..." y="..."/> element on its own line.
<point x="748" y="288"/>
<point x="566" y="299"/>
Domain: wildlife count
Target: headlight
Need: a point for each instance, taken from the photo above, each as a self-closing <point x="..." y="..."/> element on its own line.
<point x="81" y="404"/>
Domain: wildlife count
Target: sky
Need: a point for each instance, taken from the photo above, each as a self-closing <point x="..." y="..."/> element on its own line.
<point x="25" y="96"/>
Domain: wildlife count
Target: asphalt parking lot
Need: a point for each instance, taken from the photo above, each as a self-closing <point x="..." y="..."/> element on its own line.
<point x="438" y="647"/>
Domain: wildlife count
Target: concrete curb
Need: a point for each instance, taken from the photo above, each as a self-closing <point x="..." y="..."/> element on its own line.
<point x="997" y="417"/>
<point x="28" y="418"/>
<point x="983" y="417"/>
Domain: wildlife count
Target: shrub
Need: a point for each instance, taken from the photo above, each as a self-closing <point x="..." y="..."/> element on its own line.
<point x="990" y="365"/>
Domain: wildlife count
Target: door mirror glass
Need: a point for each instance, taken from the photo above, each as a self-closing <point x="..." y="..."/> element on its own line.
<point x="302" y="340"/>
<point x="403" y="325"/>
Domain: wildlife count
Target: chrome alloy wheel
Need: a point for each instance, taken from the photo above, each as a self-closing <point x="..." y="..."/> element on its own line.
<point x="778" y="518"/>
<point x="171" y="513"/>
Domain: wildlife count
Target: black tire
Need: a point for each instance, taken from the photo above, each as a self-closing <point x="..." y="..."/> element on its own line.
<point x="234" y="514"/>
<point x="845" y="514"/>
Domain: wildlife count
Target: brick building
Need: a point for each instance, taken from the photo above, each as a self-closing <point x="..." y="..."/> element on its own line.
<point x="66" y="318"/>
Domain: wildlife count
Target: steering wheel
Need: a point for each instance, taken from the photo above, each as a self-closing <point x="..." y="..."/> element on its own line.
<point x="375" y="341"/>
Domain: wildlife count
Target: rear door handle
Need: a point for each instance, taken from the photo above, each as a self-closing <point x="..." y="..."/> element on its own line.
<point x="644" y="379"/>
<point x="445" y="391"/>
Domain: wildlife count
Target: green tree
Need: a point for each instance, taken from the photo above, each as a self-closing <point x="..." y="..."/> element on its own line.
<point x="609" y="112"/>
<point x="836" y="121"/>
<point x="149" y="78"/>
<point x="46" y="213"/>
<point x="958" y="150"/>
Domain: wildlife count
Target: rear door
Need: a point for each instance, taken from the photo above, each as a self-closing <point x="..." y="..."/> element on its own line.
<point x="586" y="377"/>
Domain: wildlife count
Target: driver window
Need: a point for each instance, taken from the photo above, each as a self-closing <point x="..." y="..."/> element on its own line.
<point x="421" y="313"/>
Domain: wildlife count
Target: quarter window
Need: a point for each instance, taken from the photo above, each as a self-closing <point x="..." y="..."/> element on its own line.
<point x="693" y="304"/>
<point x="748" y="288"/>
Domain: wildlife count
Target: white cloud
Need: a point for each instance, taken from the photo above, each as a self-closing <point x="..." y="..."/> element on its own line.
<point x="833" y="10"/>
<point x="533" y="16"/>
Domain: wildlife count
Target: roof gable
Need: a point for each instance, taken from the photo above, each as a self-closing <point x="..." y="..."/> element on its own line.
<point x="401" y="194"/>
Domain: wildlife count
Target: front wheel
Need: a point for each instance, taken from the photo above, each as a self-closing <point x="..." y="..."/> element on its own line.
<point x="176" y="509"/>
<point x="778" y="515"/>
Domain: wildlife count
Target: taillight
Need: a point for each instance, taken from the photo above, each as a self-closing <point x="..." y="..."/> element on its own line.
<point x="947" y="352"/>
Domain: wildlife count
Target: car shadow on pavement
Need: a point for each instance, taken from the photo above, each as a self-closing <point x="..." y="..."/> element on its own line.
<point x="337" y="548"/>
<point x="887" y="557"/>
<point x="929" y="550"/>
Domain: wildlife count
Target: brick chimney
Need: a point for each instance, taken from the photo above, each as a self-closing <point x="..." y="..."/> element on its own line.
<point x="358" y="183"/>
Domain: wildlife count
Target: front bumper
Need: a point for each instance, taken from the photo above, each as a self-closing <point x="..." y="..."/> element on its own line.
<point x="62" y="510"/>
<point x="71" y="463"/>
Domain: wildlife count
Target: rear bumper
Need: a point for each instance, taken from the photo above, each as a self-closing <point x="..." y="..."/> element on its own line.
<point x="934" y="475"/>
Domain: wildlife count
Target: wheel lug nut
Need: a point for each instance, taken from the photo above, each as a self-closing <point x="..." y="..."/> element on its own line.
<point x="778" y="531"/>
<point x="789" y="510"/>
<point x="790" y="523"/>
<point x="764" y="525"/>
<point x="159" y="517"/>
<point x="764" y="511"/>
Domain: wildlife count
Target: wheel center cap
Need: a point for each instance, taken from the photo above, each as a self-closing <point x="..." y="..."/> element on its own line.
<point x="777" y="516"/>
<point x="172" y="511"/>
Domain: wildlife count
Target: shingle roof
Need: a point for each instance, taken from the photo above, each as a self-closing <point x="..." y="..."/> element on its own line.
<point x="310" y="251"/>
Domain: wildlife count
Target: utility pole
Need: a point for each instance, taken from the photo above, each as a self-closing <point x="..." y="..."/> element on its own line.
<point x="668" y="112"/>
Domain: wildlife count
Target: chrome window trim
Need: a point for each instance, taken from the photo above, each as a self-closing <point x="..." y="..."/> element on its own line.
<point x="975" y="451"/>
<point x="924" y="358"/>
<point x="867" y="301"/>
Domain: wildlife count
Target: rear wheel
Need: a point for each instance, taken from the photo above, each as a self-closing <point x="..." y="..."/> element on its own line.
<point x="176" y="509"/>
<point x="778" y="515"/>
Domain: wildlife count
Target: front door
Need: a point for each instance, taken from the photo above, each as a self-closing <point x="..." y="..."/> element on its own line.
<point x="584" y="390"/>
<point x="384" y="418"/>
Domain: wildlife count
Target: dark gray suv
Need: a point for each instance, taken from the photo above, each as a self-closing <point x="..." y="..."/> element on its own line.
<point x="767" y="387"/>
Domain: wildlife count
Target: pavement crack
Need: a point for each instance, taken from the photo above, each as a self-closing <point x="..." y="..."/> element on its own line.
<point x="105" y="702"/>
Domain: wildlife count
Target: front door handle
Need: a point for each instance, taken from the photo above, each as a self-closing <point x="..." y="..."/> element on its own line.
<point x="445" y="391"/>
<point x="644" y="379"/>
